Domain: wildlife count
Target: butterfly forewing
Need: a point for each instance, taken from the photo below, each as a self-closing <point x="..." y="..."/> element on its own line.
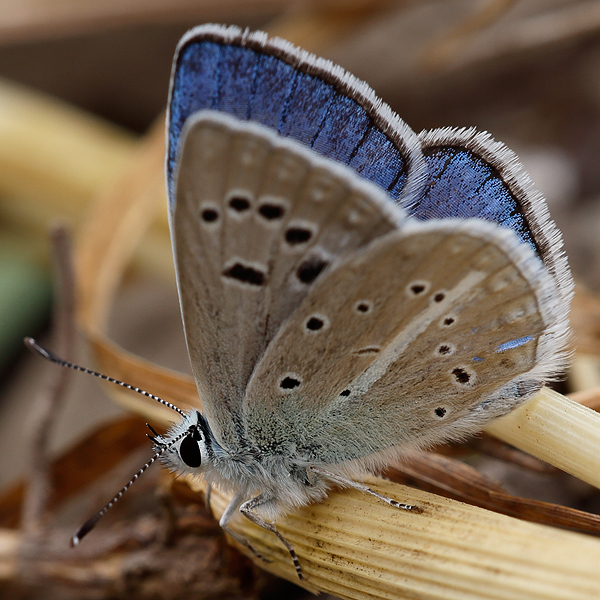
<point x="401" y="343"/>
<point x="257" y="221"/>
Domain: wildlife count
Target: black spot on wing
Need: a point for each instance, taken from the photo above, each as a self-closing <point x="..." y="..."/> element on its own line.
<point x="239" y="203"/>
<point x="245" y="274"/>
<point x="297" y="235"/>
<point x="310" y="269"/>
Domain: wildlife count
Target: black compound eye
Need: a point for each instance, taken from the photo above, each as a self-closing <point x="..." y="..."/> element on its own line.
<point x="189" y="450"/>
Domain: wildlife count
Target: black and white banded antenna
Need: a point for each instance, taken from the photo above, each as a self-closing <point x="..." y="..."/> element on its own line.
<point x="91" y="523"/>
<point x="48" y="355"/>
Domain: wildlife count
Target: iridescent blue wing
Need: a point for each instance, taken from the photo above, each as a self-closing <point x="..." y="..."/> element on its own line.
<point x="299" y="95"/>
<point x="447" y="173"/>
<point x="471" y="175"/>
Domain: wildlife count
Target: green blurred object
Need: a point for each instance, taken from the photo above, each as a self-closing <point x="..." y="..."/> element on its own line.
<point x="25" y="301"/>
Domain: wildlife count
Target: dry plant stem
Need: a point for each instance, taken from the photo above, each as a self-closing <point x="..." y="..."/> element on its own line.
<point x="454" y="479"/>
<point x="318" y="24"/>
<point x="46" y="407"/>
<point x="568" y="22"/>
<point x="116" y="225"/>
<point x="589" y="398"/>
<point x="35" y="20"/>
<point x="54" y="157"/>
<point x="557" y="430"/>
<point x="441" y="51"/>
<point x="353" y="546"/>
<point x="585" y="372"/>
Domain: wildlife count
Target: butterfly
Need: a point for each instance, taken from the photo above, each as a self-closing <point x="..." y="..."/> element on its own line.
<point x="350" y="290"/>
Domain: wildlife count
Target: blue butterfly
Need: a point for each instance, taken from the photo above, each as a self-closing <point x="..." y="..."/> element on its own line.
<point x="350" y="290"/>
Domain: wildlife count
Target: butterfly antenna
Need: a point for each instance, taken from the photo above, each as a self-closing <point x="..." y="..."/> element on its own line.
<point x="91" y="523"/>
<point x="154" y="435"/>
<point x="48" y="355"/>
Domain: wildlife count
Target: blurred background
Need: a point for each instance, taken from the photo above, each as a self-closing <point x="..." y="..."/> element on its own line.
<point x="81" y="82"/>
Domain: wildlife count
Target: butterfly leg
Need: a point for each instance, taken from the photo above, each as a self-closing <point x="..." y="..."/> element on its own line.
<point x="247" y="509"/>
<point x="224" y="524"/>
<point x="364" y="488"/>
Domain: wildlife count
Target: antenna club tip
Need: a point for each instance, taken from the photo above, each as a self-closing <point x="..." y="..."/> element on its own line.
<point x="75" y="541"/>
<point x="35" y="348"/>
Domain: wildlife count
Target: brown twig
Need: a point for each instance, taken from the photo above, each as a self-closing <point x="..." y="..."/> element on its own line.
<point x="46" y="405"/>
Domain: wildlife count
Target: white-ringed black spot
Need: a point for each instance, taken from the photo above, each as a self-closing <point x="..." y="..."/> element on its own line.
<point x="439" y="297"/>
<point x="271" y="211"/>
<point x="290" y="382"/>
<point x="440" y="412"/>
<point x="245" y="274"/>
<point x="239" y="203"/>
<point x="209" y="215"/>
<point x="448" y="321"/>
<point x="310" y="269"/>
<point x="417" y="288"/>
<point x="297" y="235"/>
<point x="363" y="307"/>
<point x="463" y="377"/>
<point x="445" y="349"/>
<point x="345" y="393"/>
<point x="315" y="323"/>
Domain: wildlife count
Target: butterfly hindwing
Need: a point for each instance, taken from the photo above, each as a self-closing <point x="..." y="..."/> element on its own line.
<point x="257" y="220"/>
<point x="406" y="341"/>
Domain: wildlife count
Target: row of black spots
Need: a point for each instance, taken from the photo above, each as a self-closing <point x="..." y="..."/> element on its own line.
<point x="246" y="274"/>
<point x="270" y="211"/>
<point x="273" y="212"/>
<point x="421" y="288"/>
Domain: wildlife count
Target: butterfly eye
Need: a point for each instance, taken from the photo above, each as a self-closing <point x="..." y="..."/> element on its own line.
<point x="189" y="451"/>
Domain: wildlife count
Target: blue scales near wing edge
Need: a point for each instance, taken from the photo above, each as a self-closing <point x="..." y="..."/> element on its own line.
<point x="462" y="185"/>
<point x="315" y="102"/>
<point x="252" y="83"/>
